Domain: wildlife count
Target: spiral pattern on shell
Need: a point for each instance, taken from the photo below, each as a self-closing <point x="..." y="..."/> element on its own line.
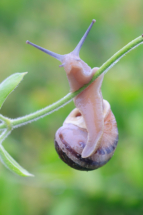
<point x="70" y="141"/>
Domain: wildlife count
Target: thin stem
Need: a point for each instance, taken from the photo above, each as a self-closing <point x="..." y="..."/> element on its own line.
<point x="4" y="134"/>
<point x="49" y="109"/>
<point x="6" y="121"/>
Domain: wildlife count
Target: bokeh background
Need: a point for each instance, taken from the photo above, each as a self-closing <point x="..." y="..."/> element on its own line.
<point x="56" y="189"/>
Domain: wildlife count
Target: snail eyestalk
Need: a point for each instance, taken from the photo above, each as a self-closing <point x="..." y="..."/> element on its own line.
<point x="53" y="54"/>
<point x="79" y="45"/>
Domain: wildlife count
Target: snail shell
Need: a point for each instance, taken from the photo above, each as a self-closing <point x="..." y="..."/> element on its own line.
<point x="71" y="138"/>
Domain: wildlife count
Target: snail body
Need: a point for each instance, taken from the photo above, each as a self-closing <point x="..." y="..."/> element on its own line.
<point x="73" y="137"/>
<point x="89" y="135"/>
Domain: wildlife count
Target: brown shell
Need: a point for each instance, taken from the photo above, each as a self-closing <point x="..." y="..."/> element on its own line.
<point x="70" y="140"/>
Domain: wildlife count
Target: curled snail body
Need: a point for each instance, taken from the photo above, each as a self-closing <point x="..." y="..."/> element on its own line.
<point x="89" y="135"/>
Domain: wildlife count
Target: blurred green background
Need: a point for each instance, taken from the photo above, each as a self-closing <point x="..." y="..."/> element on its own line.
<point x="58" y="25"/>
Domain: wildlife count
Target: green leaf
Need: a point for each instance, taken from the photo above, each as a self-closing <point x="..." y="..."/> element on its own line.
<point x="11" y="164"/>
<point x="8" y="85"/>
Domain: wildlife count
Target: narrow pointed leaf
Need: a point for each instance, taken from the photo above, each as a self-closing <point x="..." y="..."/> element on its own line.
<point x="8" y="85"/>
<point x="11" y="164"/>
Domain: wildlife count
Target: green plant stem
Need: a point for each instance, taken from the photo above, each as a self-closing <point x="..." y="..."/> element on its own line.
<point x="49" y="109"/>
<point x="4" y="134"/>
<point x="7" y="122"/>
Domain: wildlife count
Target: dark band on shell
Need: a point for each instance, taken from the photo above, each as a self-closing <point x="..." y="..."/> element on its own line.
<point x="88" y="164"/>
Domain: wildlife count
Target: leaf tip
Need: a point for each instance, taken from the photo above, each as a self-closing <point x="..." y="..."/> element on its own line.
<point x="29" y="175"/>
<point x="24" y="73"/>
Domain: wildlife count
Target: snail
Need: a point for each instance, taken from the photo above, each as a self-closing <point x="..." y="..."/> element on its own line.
<point x="89" y="135"/>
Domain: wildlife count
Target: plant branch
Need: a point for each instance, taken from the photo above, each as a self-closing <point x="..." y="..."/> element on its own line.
<point x="49" y="109"/>
<point x="4" y="134"/>
<point x="7" y="122"/>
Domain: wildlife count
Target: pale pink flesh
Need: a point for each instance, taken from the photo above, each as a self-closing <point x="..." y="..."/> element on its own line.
<point x="90" y="104"/>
